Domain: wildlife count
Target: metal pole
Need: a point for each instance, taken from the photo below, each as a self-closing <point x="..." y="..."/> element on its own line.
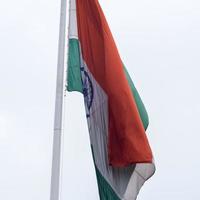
<point x="58" y="124"/>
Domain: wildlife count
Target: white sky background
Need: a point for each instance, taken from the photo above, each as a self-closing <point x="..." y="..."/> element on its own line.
<point x="159" y="41"/>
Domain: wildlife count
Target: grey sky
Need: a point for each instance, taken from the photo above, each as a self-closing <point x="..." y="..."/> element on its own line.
<point x="159" y="41"/>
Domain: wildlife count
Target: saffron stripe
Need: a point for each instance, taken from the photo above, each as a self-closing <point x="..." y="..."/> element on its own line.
<point x="127" y="143"/>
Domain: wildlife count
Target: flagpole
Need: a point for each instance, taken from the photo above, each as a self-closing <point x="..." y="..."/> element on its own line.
<point x="58" y="116"/>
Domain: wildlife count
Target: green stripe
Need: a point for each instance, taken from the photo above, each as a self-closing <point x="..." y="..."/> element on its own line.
<point x="74" y="82"/>
<point x="105" y="190"/>
<point x="140" y="106"/>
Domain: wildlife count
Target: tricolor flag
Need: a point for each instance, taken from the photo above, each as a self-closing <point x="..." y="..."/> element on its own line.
<point x="116" y="116"/>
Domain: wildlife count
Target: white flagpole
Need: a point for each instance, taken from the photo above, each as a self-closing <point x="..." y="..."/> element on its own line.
<point x="58" y="121"/>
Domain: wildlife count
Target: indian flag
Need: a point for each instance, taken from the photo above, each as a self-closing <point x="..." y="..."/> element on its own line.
<point x="116" y="116"/>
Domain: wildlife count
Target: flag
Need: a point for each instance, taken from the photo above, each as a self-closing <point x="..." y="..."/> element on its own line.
<point x="116" y="116"/>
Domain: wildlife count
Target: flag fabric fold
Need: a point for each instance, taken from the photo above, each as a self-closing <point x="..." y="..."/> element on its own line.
<point x="116" y="116"/>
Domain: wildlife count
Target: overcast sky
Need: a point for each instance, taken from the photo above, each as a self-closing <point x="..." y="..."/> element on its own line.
<point x="159" y="41"/>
